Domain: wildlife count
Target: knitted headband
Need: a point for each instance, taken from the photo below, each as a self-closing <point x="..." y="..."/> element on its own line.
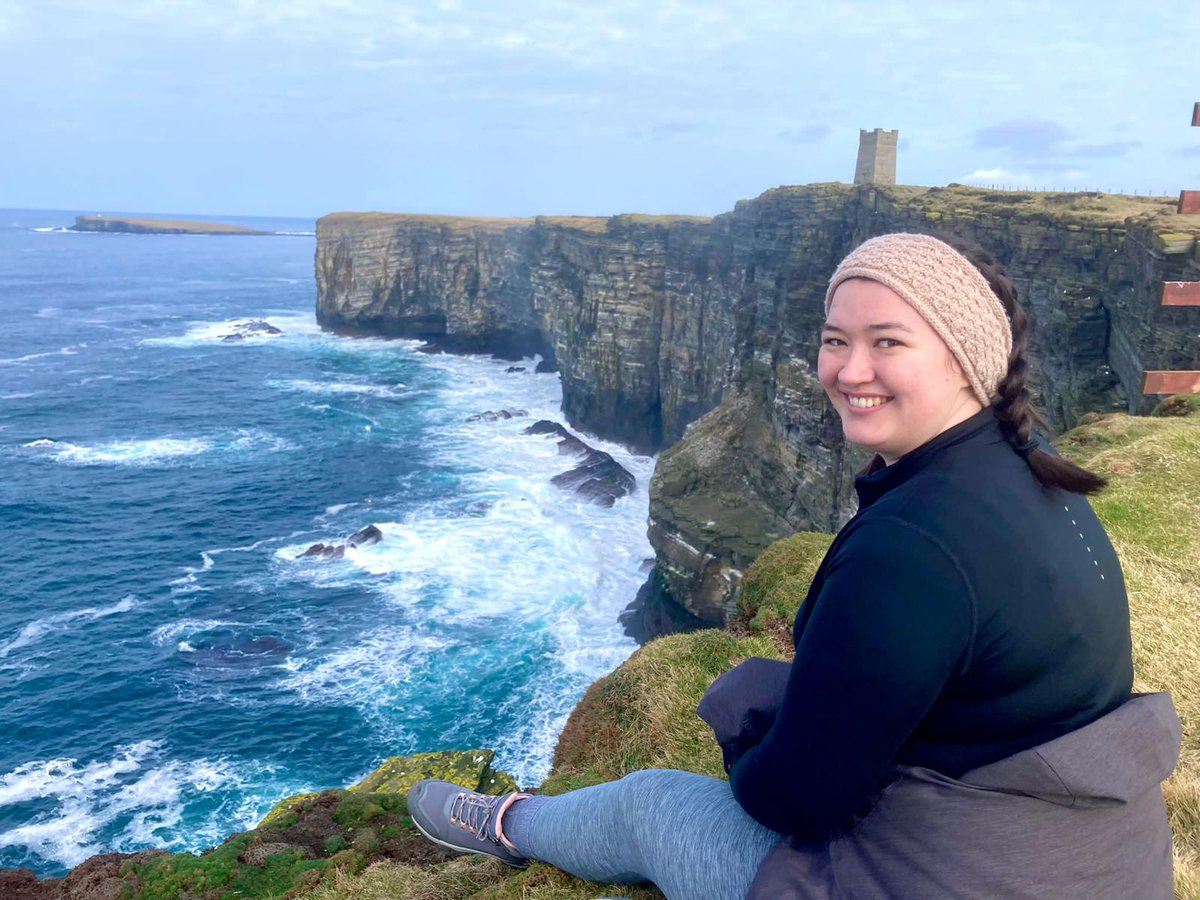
<point x="950" y="294"/>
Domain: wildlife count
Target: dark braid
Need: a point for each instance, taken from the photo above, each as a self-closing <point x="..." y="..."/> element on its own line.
<point x="1014" y="409"/>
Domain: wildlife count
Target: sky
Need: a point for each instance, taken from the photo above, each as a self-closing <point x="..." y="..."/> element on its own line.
<point x="304" y="107"/>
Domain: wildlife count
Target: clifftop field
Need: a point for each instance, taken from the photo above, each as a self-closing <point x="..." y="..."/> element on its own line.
<point x="359" y="844"/>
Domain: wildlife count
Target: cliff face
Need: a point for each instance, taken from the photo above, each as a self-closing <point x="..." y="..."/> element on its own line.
<point x="654" y="321"/>
<point x="635" y="310"/>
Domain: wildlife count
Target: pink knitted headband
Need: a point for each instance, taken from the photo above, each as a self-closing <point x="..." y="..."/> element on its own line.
<point x="949" y="293"/>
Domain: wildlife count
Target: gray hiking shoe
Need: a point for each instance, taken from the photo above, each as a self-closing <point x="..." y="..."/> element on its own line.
<point x="461" y="820"/>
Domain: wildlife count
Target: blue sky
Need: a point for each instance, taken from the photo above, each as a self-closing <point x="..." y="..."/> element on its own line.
<point x="506" y="109"/>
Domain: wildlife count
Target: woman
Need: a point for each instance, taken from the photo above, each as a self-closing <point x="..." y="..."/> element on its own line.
<point x="957" y="720"/>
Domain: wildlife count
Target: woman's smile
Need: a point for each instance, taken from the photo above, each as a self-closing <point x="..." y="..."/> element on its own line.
<point x="861" y="403"/>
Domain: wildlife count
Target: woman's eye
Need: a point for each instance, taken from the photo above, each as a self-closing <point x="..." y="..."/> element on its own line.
<point x="888" y="343"/>
<point x="831" y="342"/>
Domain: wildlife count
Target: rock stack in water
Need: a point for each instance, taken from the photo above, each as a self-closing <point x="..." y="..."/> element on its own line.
<point x="598" y="477"/>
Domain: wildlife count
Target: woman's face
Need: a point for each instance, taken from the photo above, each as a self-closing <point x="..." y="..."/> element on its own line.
<point x="891" y="378"/>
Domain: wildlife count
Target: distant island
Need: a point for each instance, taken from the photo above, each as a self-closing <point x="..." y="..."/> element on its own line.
<point x="157" y="226"/>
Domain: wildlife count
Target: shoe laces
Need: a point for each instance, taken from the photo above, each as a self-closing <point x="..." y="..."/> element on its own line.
<point x="473" y="812"/>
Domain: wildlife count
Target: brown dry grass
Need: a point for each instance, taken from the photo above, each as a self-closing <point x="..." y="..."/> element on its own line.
<point x="1151" y="509"/>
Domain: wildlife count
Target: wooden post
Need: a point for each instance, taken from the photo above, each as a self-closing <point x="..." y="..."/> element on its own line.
<point x="1179" y="293"/>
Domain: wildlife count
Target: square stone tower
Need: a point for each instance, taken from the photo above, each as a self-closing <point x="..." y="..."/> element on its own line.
<point x="876" y="157"/>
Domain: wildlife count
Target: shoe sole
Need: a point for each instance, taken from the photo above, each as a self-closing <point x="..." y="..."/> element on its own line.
<point x="463" y="850"/>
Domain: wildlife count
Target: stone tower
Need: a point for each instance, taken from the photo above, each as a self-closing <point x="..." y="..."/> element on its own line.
<point x="876" y="157"/>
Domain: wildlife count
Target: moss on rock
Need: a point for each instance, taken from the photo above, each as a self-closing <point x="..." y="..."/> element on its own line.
<point x="1178" y="406"/>
<point x="778" y="581"/>
<point x="470" y="768"/>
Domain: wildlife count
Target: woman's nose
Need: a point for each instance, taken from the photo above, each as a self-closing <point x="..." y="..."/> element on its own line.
<point x="857" y="367"/>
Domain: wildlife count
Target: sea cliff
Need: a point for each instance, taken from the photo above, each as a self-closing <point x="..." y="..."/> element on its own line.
<point x="655" y="322"/>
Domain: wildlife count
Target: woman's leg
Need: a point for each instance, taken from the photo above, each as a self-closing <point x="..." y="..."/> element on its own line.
<point x="682" y="831"/>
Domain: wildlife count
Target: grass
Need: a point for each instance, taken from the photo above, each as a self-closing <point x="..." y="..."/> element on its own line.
<point x="1086" y="209"/>
<point x="450" y="223"/>
<point x="1151" y="509"/>
<point x="590" y="224"/>
<point x="779" y="576"/>
<point x="643" y="715"/>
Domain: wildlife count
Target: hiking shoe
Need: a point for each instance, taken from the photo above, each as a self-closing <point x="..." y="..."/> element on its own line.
<point x="461" y="820"/>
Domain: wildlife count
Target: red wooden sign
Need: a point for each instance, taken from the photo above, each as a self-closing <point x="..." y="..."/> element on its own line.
<point x="1171" y="383"/>
<point x="1189" y="203"/>
<point x="1181" y="293"/>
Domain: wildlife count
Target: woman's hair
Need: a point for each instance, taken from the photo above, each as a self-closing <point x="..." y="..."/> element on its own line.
<point x="1014" y="409"/>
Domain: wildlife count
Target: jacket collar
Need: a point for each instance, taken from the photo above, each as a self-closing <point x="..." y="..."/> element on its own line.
<point x="880" y="478"/>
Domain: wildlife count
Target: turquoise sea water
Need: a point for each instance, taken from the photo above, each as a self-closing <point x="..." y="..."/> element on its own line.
<point x="168" y="668"/>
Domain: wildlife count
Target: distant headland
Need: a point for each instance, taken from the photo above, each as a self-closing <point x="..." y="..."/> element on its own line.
<point x="157" y="226"/>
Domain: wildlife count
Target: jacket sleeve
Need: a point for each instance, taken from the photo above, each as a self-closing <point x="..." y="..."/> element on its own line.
<point x="891" y="623"/>
<point x="742" y="703"/>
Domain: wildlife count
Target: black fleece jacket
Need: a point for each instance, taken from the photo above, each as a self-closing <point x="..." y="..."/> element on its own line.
<point x="964" y="614"/>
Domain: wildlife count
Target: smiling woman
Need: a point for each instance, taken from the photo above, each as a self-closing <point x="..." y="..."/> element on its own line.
<point x="958" y="718"/>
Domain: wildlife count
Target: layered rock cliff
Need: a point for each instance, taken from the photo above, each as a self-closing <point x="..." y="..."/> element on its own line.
<point x="655" y="321"/>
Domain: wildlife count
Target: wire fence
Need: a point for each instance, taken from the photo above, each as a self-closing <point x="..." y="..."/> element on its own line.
<point x="1136" y="192"/>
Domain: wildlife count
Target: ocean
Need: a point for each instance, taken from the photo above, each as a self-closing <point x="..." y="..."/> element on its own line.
<point x="169" y="669"/>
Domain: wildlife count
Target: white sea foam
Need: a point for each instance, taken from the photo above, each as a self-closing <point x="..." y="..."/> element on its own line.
<point x="30" y="357"/>
<point x="530" y="560"/>
<point x="187" y="581"/>
<point x="39" y="628"/>
<point x="156" y="451"/>
<point x="171" y="631"/>
<point x="199" y="333"/>
<point x="130" y="453"/>
<point x="341" y="387"/>
<point x="139" y="786"/>
<point x="375" y="667"/>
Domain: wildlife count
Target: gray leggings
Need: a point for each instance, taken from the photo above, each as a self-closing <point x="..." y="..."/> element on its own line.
<point x="684" y="832"/>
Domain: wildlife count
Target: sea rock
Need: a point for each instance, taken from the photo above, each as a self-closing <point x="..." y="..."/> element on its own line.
<point x="492" y="416"/>
<point x="115" y="225"/>
<point x="654" y="614"/>
<point x="513" y="369"/>
<point x="325" y="551"/>
<point x="243" y="330"/>
<point x="598" y="477"/>
<point x="365" y="537"/>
